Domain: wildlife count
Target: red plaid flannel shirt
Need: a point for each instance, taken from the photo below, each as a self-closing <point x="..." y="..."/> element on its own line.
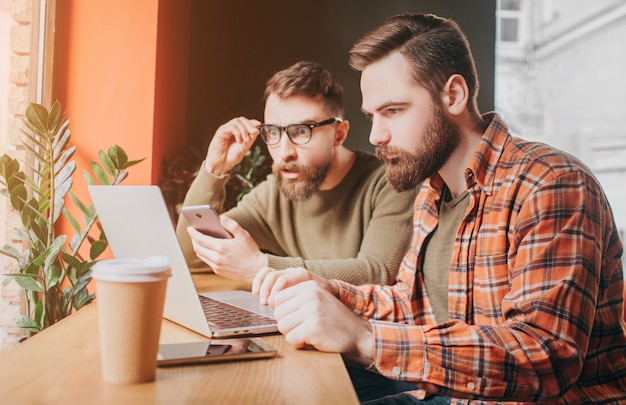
<point x="535" y="289"/>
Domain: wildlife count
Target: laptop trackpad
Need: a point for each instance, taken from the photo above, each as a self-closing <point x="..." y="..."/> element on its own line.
<point x="242" y="299"/>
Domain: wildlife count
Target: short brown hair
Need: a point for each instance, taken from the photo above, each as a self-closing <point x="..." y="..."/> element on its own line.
<point x="310" y="79"/>
<point x="435" y="47"/>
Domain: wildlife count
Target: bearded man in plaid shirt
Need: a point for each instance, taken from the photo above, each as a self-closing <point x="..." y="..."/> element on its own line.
<point x="512" y="290"/>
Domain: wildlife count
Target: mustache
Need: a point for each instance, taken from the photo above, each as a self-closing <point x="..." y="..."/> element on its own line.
<point x="383" y="152"/>
<point x="288" y="166"/>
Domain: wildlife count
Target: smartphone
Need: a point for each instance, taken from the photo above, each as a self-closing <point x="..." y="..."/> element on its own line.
<point x="215" y="350"/>
<point x="206" y="220"/>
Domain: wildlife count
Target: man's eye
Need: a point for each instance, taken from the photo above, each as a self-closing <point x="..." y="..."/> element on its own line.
<point x="301" y="131"/>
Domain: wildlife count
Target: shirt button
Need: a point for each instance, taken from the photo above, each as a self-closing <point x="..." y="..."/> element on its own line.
<point x="396" y="371"/>
<point x="471" y="386"/>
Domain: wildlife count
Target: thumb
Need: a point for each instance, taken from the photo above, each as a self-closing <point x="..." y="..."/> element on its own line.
<point x="230" y="225"/>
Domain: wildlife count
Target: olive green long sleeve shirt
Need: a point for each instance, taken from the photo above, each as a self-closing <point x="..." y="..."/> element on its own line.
<point x="358" y="231"/>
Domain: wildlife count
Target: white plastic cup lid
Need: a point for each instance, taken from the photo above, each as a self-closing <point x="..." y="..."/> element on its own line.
<point x="153" y="268"/>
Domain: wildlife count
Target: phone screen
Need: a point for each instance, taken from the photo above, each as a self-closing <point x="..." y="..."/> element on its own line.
<point x="171" y="354"/>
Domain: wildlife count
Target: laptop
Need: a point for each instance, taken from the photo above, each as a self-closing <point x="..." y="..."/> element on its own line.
<point x="137" y="225"/>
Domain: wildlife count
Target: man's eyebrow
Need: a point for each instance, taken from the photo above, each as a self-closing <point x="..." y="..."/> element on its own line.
<point x="385" y="105"/>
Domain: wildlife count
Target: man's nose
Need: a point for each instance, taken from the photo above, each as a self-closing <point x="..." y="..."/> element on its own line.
<point x="379" y="135"/>
<point x="286" y="149"/>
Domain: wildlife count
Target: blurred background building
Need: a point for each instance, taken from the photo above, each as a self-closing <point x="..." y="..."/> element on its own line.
<point x="559" y="79"/>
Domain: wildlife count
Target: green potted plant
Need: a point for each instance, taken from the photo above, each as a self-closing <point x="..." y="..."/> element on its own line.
<point x="52" y="270"/>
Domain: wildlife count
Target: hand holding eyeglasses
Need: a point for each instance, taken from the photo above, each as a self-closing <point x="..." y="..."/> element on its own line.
<point x="229" y="144"/>
<point x="233" y="139"/>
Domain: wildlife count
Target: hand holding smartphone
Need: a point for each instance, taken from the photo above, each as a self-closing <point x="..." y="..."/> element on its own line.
<point x="206" y="220"/>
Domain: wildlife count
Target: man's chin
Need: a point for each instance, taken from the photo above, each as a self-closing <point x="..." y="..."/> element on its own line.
<point x="293" y="190"/>
<point x="402" y="180"/>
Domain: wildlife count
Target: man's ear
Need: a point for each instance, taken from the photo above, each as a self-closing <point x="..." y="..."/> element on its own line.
<point x="455" y="95"/>
<point x="341" y="132"/>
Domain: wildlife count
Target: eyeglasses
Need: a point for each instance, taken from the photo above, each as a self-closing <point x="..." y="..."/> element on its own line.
<point x="298" y="134"/>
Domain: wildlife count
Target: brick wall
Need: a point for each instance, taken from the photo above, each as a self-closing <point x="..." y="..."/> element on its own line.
<point x="17" y="94"/>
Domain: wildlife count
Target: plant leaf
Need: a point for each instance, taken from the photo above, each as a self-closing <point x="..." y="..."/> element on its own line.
<point x="83" y="299"/>
<point x="118" y="156"/>
<point x="10" y="251"/>
<point x="133" y="163"/>
<point x="24" y="322"/>
<point x="61" y="138"/>
<point x="38" y="116"/>
<point x="38" y="149"/>
<point x="62" y="160"/>
<point x="53" y="275"/>
<point x="100" y="173"/>
<point x="37" y="226"/>
<point x="65" y="175"/>
<point x="18" y="197"/>
<point x="27" y="282"/>
<point x="38" y="312"/>
<point x="55" y="114"/>
<point x="120" y="177"/>
<point x="34" y="212"/>
<point x="88" y="179"/>
<point x="107" y="162"/>
<point x="62" y="188"/>
<point x="83" y="281"/>
<point x="52" y="254"/>
<point x="8" y="167"/>
<point x="75" y="242"/>
<point x="97" y="247"/>
<point x="30" y="127"/>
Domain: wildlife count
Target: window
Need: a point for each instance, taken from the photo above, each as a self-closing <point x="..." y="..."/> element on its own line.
<point x="510" y="5"/>
<point x="509" y="30"/>
<point x="508" y="22"/>
<point x="25" y="33"/>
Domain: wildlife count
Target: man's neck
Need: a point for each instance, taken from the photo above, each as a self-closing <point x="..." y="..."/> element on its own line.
<point x="341" y="163"/>
<point x="453" y="171"/>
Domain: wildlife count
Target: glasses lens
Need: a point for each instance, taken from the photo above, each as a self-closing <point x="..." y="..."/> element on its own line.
<point x="270" y="134"/>
<point x="299" y="134"/>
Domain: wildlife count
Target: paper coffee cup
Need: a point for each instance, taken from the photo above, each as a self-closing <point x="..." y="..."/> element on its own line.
<point x="130" y="297"/>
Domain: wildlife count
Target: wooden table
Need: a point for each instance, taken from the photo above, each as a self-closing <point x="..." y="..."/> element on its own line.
<point x="62" y="365"/>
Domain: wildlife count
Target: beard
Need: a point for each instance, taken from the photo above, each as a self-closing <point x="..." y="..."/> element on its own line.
<point x="309" y="182"/>
<point x="408" y="169"/>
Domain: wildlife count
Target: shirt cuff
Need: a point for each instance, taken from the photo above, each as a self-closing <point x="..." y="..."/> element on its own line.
<point x="400" y="351"/>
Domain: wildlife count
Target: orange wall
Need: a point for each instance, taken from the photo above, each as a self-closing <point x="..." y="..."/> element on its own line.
<point x="104" y="74"/>
<point x="120" y="71"/>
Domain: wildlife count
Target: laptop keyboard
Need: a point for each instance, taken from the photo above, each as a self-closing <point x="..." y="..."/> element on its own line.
<point x="227" y="316"/>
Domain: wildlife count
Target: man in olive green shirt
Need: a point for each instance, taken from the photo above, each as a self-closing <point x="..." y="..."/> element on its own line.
<point x="324" y="207"/>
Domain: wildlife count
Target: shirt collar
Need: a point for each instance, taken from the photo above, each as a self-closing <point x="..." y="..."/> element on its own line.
<point x="481" y="168"/>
